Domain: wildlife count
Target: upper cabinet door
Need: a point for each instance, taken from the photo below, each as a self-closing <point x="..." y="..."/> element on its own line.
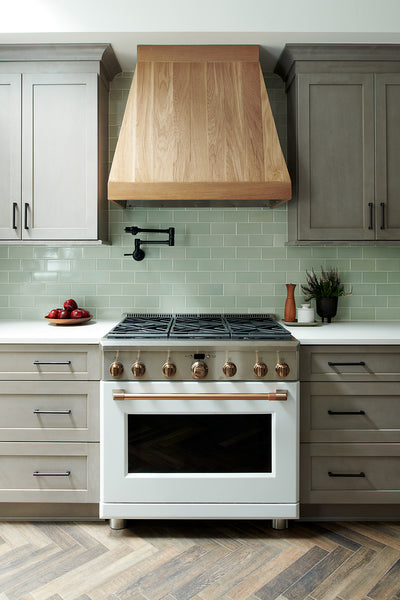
<point x="59" y="156"/>
<point x="387" y="99"/>
<point x="335" y="156"/>
<point x="10" y="156"/>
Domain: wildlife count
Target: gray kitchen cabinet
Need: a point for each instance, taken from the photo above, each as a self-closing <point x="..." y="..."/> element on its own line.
<point x="49" y="435"/>
<point x="54" y="120"/>
<point x="343" y="142"/>
<point x="350" y="431"/>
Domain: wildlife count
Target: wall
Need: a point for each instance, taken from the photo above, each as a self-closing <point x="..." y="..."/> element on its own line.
<point x="224" y="260"/>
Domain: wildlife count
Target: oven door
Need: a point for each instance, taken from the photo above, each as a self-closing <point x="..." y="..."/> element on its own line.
<point x="194" y="444"/>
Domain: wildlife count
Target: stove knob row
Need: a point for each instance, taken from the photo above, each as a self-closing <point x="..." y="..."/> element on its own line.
<point x="169" y="369"/>
<point x="138" y="369"/>
<point x="199" y="369"/>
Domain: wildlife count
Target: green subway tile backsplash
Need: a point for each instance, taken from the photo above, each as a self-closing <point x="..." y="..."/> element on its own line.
<point x="225" y="259"/>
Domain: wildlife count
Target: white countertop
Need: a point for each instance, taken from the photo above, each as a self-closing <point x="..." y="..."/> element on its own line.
<point x="356" y="332"/>
<point x="42" y="332"/>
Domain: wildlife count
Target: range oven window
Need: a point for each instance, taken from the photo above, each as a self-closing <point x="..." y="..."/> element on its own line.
<point x="199" y="443"/>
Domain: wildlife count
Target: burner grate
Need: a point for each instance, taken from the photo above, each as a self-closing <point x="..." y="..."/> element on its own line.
<point x="142" y="326"/>
<point x="199" y="326"/>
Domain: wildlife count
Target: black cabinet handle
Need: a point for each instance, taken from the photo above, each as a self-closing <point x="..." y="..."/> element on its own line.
<point x="362" y="474"/>
<point x="15" y="206"/>
<point x="371" y="223"/>
<point x="349" y="412"/>
<point x="347" y="364"/>
<point x="26" y="216"/>
<point x="38" y="474"/>
<point x="382" y="215"/>
<point x="51" y="362"/>
<point x="38" y="411"/>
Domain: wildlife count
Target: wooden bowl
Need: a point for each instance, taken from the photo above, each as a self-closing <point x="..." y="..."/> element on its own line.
<point x="69" y="321"/>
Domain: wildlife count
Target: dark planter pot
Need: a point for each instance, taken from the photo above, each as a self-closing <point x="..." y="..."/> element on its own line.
<point x="327" y="308"/>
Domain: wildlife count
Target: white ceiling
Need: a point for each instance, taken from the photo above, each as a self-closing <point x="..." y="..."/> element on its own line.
<point x="270" y="24"/>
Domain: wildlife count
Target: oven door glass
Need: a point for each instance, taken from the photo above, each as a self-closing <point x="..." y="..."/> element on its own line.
<point x="235" y="443"/>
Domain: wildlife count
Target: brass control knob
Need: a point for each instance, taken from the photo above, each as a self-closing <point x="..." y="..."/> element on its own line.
<point x="169" y="369"/>
<point x="229" y="369"/>
<point x="199" y="369"/>
<point x="116" y="369"/>
<point x="282" y="369"/>
<point x="260" y="369"/>
<point x="138" y="369"/>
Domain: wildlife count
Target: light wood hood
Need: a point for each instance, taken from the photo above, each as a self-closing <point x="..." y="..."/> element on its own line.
<point x="198" y="129"/>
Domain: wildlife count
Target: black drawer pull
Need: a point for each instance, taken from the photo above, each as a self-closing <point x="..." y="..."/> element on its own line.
<point x="38" y="474"/>
<point x="51" y="362"/>
<point x="362" y="474"/>
<point x="15" y="206"/>
<point x="346" y="412"/>
<point x="38" y="411"/>
<point x="371" y="208"/>
<point x="26" y="226"/>
<point x="382" y="215"/>
<point x="347" y="364"/>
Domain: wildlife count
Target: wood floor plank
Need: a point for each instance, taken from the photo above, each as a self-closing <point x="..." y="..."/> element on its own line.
<point x="370" y="575"/>
<point x="388" y="585"/>
<point x="332" y="585"/>
<point x="291" y="574"/>
<point x="266" y="573"/>
<point x="203" y="564"/>
<point x="347" y="531"/>
<point x="246" y="567"/>
<point x="315" y="576"/>
<point x="330" y="538"/>
<point x="376" y="534"/>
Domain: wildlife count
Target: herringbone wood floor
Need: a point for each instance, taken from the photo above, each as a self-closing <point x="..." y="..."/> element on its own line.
<point x="153" y="560"/>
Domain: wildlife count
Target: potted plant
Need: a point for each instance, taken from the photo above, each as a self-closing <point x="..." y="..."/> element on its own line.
<point x="326" y="290"/>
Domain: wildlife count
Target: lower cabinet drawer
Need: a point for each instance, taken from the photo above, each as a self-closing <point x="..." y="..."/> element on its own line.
<point x="41" y="472"/>
<point x="350" y="473"/>
<point x="65" y="411"/>
<point x="350" y="412"/>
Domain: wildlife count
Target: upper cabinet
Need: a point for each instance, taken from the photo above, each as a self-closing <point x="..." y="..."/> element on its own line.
<point x="54" y="151"/>
<point x="343" y="142"/>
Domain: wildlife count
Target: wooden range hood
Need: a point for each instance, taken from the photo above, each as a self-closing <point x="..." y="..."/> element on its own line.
<point x="198" y="130"/>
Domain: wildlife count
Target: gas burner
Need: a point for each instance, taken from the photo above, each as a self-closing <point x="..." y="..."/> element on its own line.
<point x="199" y="326"/>
<point x="142" y="326"/>
<point x="261" y="327"/>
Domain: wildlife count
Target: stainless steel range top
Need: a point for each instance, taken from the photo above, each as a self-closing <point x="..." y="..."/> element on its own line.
<point x="201" y="347"/>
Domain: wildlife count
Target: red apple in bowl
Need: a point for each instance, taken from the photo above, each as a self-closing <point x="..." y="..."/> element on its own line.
<point x="64" y="314"/>
<point x="86" y="313"/>
<point x="78" y="313"/>
<point x="70" y="304"/>
<point x="53" y="314"/>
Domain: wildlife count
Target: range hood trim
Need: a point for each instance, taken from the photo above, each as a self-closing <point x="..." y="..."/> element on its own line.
<point x="256" y="174"/>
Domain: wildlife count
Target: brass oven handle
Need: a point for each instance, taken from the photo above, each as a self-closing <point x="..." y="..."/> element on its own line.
<point x="280" y="395"/>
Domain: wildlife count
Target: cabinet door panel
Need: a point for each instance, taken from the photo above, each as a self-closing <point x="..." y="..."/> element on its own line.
<point x="387" y="94"/>
<point x="10" y="156"/>
<point x="59" y="157"/>
<point x="335" y="156"/>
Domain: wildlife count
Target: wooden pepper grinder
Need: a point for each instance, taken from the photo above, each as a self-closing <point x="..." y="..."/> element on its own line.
<point x="290" y="305"/>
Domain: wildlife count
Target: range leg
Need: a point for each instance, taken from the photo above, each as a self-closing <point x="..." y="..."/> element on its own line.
<point x="117" y="523"/>
<point x="279" y="524"/>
